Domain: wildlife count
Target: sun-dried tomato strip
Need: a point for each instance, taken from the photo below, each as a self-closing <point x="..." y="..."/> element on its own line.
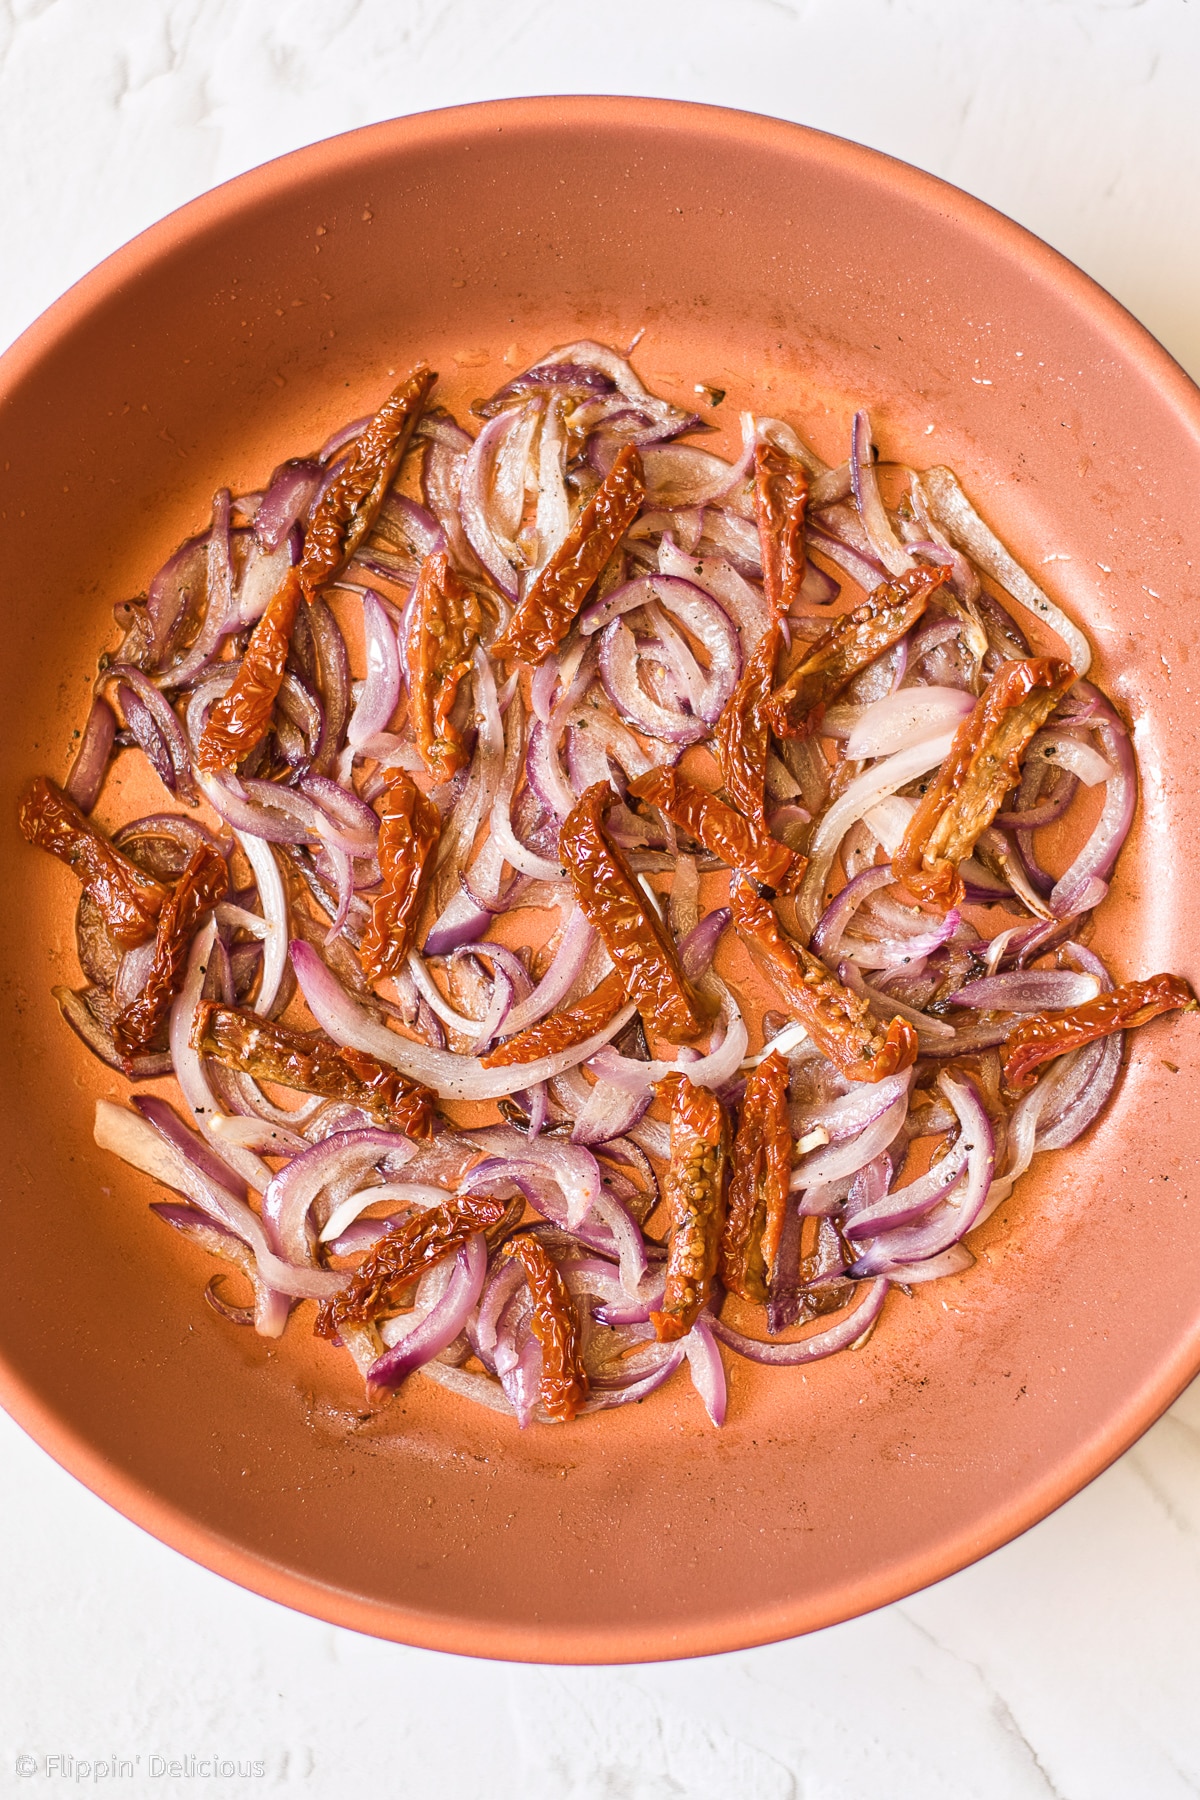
<point x="742" y="739"/>
<point x="347" y="507"/>
<point x="758" y="1186"/>
<point x="402" y="1255"/>
<point x="695" y="1195"/>
<point x="780" y="499"/>
<point x="239" y="718"/>
<point x="571" y="1025"/>
<point x="313" y="1064"/>
<point x="797" y="706"/>
<point x="1045" y="1035"/>
<point x="444" y="625"/>
<point x="202" y="884"/>
<point x="564" y="1385"/>
<point x="634" y="936"/>
<point x="128" y="901"/>
<point x="983" y="764"/>
<point x="551" y="606"/>
<point x="726" y="833"/>
<point x="408" y="834"/>
<point x="839" y="1022"/>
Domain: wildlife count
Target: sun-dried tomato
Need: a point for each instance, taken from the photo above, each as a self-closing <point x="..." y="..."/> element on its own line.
<point x="444" y="624"/>
<point x="346" y="509"/>
<point x="571" y="1025"/>
<point x="1044" y="1035"/>
<point x="128" y="901"/>
<point x="758" y="1186"/>
<point x="983" y="764"/>
<point x="404" y="1253"/>
<point x="239" y="718"/>
<point x="742" y="739"/>
<point x="634" y="936"/>
<point x="780" y="500"/>
<point x="694" y="1191"/>
<point x="797" y="706"/>
<point x="726" y="833"/>
<point x="408" y="834"/>
<point x="839" y="1022"/>
<point x="313" y="1064"/>
<point x="564" y="1384"/>
<point x="551" y="606"/>
<point x="204" y="881"/>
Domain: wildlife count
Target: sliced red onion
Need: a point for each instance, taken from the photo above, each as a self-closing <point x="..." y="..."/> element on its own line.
<point x="735" y="539"/>
<point x="483" y="781"/>
<point x="474" y="484"/>
<point x="272" y="895"/>
<point x="92" y="757"/>
<point x="906" y="1204"/>
<point x="1074" y="1119"/>
<point x="652" y="1137"/>
<point x="380" y="692"/>
<point x="951" y="1220"/>
<point x="742" y="603"/>
<point x="407" y="1193"/>
<point x="286" y="818"/>
<point x="261" y="578"/>
<point x="680" y="475"/>
<point x="863" y="570"/>
<point x="954" y="1261"/>
<point x="835" y="1160"/>
<point x="346" y="1156"/>
<point x="189" y="1066"/>
<point x="345" y="434"/>
<point x="588" y="356"/>
<point x="708" y="1371"/>
<point x="287" y="499"/>
<point x="137" y="1142"/>
<point x="607" y="1113"/>
<point x="906" y="719"/>
<point x="452" y="1077"/>
<point x="1061" y="749"/>
<point x="846" y="1116"/>
<point x="543" y="687"/>
<point x="866" y="791"/>
<point x="707" y="622"/>
<point x="175" y="828"/>
<point x="169" y="598"/>
<point x="575" y="1169"/>
<point x="1086" y="881"/>
<point x="884" y="542"/>
<point x="619" y="673"/>
<point x="178" y="776"/>
<point x="827" y="935"/>
<point x="698" y="947"/>
<point x="1028" y="990"/>
<point x="553" y="516"/>
<point x="962" y="524"/>
<point x="169" y="1125"/>
<point x="664" y="1360"/>
<point x="842" y="1334"/>
<point x="439" y="1327"/>
<point x="500" y="1286"/>
<point x="220" y="600"/>
<point x="564" y="971"/>
<point x="511" y="733"/>
<point x="140" y="724"/>
<point x="260" y="1135"/>
<point x="462" y="920"/>
<point x="721" y="1064"/>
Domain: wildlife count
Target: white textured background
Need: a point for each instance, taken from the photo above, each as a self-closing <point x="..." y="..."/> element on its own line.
<point x="1069" y="1663"/>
